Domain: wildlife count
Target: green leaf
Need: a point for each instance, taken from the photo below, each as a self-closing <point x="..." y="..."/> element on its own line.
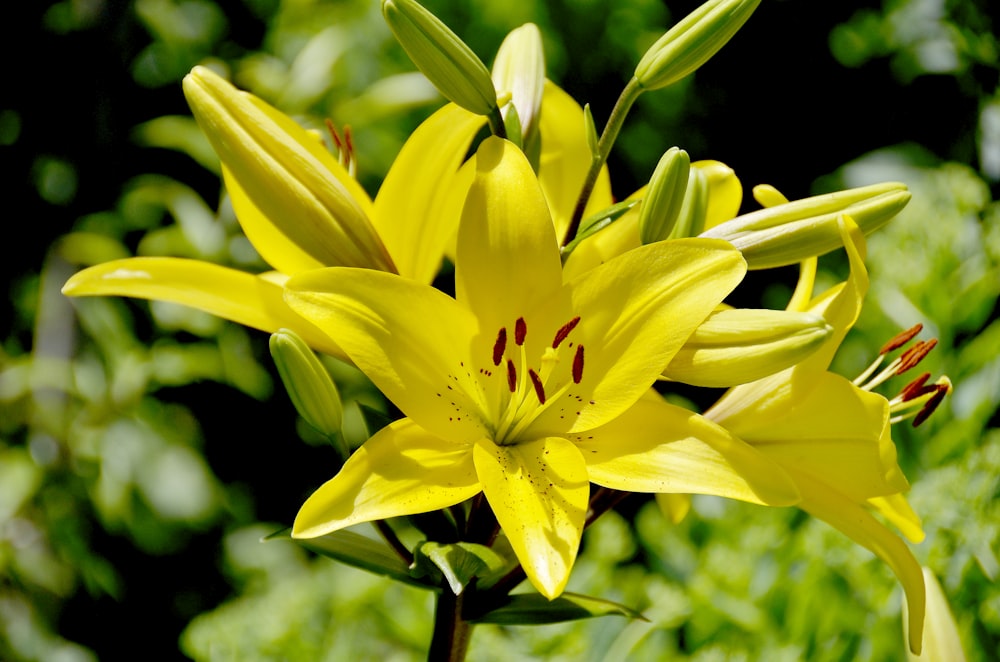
<point x="359" y="551"/>
<point x="457" y="562"/>
<point x="534" y="609"/>
<point x="597" y="222"/>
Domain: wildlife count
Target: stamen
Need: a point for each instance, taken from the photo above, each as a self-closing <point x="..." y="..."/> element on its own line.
<point x="564" y="331"/>
<point x="520" y="330"/>
<point x="578" y="364"/>
<point x="500" y="346"/>
<point x="932" y="404"/>
<point x="916" y="388"/>
<point x="901" y="339"/>
<point x="511" y="376"/>
<point x="915" y="355"/>
<point x="536" y="381"/>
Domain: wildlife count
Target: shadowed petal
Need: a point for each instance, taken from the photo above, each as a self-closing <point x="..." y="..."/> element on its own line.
<point x="402" y="470"/>
<point x="538" y="491"/>
<point x="233" y="295"/>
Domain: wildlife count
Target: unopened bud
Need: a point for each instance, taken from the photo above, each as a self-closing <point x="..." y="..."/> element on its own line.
<point x="690" y="43"/>
<point x="442" y="56"/>
<point x="664" y="196"/>
<point x="694" y="211"/>
<point x="741" y="345"/>
<point x="519" y="69"/>
<point x="309" y="386"/>
<point x="789" y="233"/>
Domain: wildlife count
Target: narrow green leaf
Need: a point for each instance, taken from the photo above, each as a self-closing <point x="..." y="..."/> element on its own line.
<point x="359" y="551"/>
<point x="597" y="222"/>
<point x="534" y="609"/>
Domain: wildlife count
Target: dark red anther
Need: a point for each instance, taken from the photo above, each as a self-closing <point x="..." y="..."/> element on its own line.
<point x="578" y="364"/>
<point x="536" y="381"/>
<point x="915" y="355"/>
<point x="564" y="331"/>
<point x="932" y="404"/>
<point x="900" y="339"/>
<point x="520" y="331"/>
<point x="334" y="135"/>
<point x="511" y="376"/>
<point x="500" y="346"/>
<point x="917" y="388"/>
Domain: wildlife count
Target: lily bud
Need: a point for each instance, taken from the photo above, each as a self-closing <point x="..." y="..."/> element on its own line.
<point x="740" y="345"/>
<point x="788" y="233"/>
<point x="309" y="386"/>
<point x="691" y="219"/>
<point x="664" y="196"/>
<point x="286" y="188"/>
<point x="690" y="43"/>
<point x="441" y="55"/>
<point x="520" y="69"/>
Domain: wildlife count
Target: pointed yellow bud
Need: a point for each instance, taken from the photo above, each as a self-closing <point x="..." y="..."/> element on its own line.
<point x="520" y="70"/>
<point x="940" y="636"/>
<point x="788" y="233"/>
<point x="691" y="43"/>
<point x="442" y="56"/>
<point x="664" y="196"/>
<point x="309" y="386"/>
<point x="739" y="345"/>
<point x="277" y="169"/>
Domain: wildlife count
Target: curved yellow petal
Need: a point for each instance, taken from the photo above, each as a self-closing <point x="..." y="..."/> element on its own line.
<point x="859" y="525"/>
<point x="412" y="213"/>
<point x="825" y="427"/>
<point x="941" y="640"/>
<point x="507" y="256"/>
<point x="725" y="193"/>
<point x="402" y="470"/>
<point x="538" y="491"/>
<point x="411" y="340"/>
<point x="636" y="312"/>
<point x="897" y="510"/>
<point x="255" y="301"/>
<point x="659" y="447"/>
<point x="565" y="159"/>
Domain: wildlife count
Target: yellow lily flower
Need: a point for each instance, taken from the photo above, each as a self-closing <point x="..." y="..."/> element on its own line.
<point x="301" y="209"/>
<point x="832" y="437"/>
<point x="523" y="387"/>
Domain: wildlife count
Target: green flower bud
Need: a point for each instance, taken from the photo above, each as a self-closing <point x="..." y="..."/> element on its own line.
<point x="309" y="385"/>
<point x="664" y="196"/>
<point x="788" y="233"/>
<point x="691" y="218"/>
<point x="690" y="43"/>
<point x="520" y="70"/>
<point x="444" y="58"/>
<point x="741" y="345"/>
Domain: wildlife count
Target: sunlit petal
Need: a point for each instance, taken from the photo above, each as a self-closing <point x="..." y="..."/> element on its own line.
<point x="411" y="211"/>
<point x="897" y="510"/>
<point x="508" y="259"/>
<point x="411" y="340"/>
<point x="255" y="301"/>
<point x="659" y="447"/>
<point x="538" y="491"/>
<point x="402" y="470"/>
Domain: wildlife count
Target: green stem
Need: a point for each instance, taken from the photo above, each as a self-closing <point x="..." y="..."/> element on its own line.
<point x="608" y="137"/>
<point x="495" y="120"/>
<point x="390" y="537"/>
<point x="450" y="641"/>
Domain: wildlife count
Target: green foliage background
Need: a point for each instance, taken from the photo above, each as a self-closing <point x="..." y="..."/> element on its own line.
<point x="145" y="449"/>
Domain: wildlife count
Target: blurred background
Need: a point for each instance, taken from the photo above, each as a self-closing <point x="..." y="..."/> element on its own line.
<point x="146" y="449"/>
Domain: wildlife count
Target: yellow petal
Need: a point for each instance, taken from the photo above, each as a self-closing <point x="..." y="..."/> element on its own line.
<point x="674" y="507"/>
<point x="725" y="193"/>
<point x="508" y="260"/>
<point x="659" y="447"/>
<point x="897" y="510"/>
<point x="941" y="640"/>
<point x="538" y="491"/>
<point x="254" y="301"/>
<point x="402" y="470"/>
<point x="636" y="312"/>
<point x="412" y="214"/>
<point x="824" y="427"/>
<point x="860" y="526"/>
<point x="411" y="340"/>
<point x="565" y="160"/>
